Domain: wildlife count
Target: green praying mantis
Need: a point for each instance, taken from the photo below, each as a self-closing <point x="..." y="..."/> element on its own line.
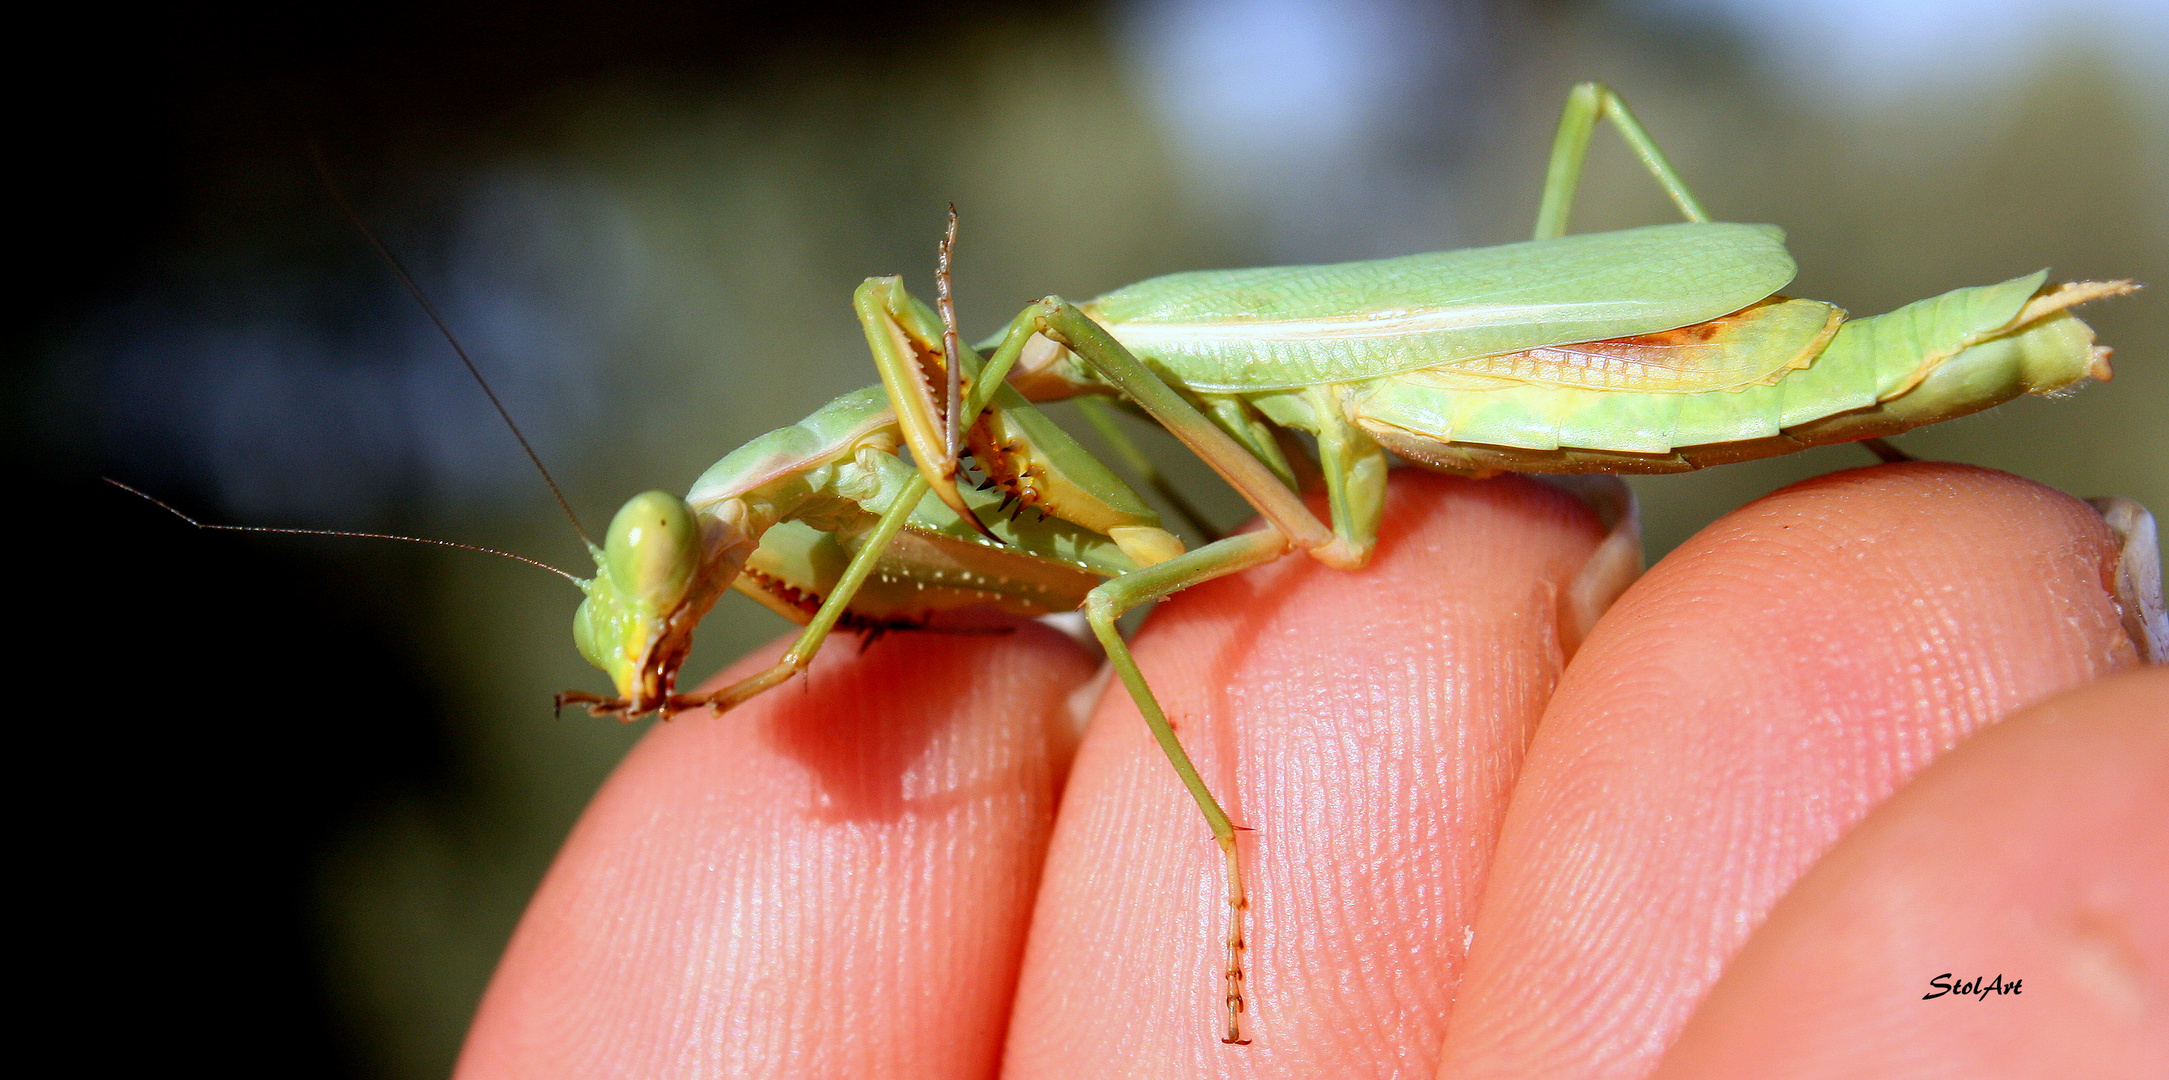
<point x="1658" y="349"/>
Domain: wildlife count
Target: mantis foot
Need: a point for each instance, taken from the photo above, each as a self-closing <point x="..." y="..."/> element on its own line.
<point x="740" y="692"/>
<point x="597" y="705"/>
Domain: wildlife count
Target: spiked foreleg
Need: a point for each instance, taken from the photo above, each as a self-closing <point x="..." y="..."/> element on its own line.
<point x="832" y="609"/>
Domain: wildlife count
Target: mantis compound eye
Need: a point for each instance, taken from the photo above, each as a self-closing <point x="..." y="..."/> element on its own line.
<point x="653" y="549"/>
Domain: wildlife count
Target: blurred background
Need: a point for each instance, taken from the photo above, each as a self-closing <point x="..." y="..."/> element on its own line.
<point x="309" y="783"/>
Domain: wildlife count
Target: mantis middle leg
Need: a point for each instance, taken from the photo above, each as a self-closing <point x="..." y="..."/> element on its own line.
<point x="1293" y="526"/>
<point x="1101" y="417"/>
<point x="1060" y="321"/>
<point x="901" y="334"/>
<point x="1107" y="604"/>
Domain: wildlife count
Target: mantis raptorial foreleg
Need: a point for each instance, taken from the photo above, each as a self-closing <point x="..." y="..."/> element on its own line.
<point x="885" y="314"/>
<point x="1563" y="176"/>
<point x="833" y="607"/>
<point x="1107" y="604"/>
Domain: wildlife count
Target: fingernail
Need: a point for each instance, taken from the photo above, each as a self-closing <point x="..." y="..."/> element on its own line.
<point x="1615" y="563"/>
<point x="2138" y="576"/>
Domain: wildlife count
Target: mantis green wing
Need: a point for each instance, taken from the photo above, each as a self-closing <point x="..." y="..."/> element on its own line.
<point x="1282" y="327"/>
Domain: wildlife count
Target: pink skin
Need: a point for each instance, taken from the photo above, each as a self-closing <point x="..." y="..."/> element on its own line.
<point x="836" y="880"/>
<point x="2033" y="854"/>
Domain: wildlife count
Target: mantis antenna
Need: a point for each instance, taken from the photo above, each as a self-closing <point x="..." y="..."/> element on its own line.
<point x="338" y="532"/>
<point x="399" y="270"/>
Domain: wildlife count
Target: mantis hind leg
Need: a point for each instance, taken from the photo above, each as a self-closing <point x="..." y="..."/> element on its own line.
<point x="1105" y="605"/>
<point x="1585" y="104"/>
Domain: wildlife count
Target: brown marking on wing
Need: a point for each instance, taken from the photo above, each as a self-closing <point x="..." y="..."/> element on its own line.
<point x="1692" y="334"/>
<point x="1756" y="344"/>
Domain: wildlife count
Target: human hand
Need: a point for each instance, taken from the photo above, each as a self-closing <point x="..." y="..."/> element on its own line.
<point x="837" y="879"/>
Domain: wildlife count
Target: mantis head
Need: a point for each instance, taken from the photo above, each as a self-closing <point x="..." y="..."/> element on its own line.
<point x="653" y="582"/>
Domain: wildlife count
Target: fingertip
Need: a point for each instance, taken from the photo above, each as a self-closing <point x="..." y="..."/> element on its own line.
<point x="1972" y="551"/>
<point x="833" y="879"/>
<point x="1743" y="705"/>
<point x="1364" y="727"/>
<point x="2005" y="915"/>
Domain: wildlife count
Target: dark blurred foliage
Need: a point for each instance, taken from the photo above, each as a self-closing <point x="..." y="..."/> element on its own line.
<point x="136" y="123"/>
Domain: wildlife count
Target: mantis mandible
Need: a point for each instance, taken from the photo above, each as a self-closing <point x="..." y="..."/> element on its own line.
<point x="1658" y="349"/>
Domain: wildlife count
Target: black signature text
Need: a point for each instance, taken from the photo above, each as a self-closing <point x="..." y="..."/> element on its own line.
<point x="1977" y="987"/>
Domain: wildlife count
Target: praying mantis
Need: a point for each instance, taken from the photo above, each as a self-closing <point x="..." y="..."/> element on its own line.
<point x="1659" y="349"/>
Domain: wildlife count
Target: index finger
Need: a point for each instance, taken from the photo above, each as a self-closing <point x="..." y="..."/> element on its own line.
<point x="831" y="880"/>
